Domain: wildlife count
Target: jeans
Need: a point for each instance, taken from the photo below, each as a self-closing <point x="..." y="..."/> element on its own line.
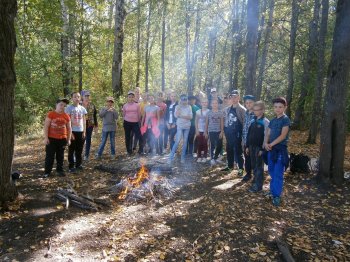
<point x="190" y="143"/>
<point x="215" y="144"/>
<point x="179" y="134"/>
<point x="276" y="171"/>
<point x="160" y="140"/>
<point x="55" y="147"/>
<point x="233" y="148"/>
<point x="172" y="133"/>
<point x="105" y="135"/>
<point x="89" y="131"/>
<point x="202" y="145"/>
<point x="131" y="128"/>
<point x="257" y="165"/>
<point x="76" y="149"/>
<point x="166" y="136"/>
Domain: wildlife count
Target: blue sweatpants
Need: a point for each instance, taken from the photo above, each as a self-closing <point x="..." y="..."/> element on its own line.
<point x="276" y="171"/>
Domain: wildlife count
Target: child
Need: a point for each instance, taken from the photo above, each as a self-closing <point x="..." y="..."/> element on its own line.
<point x="249" y="116"/>
<point x="57" y="132"/>
<point x="162" y="109"/>
<point x="150" y="124"/>
<point x="170" y="120"/>
<point x="109" y="115"/>
<point x="234" y="118"/>
<point x="277" y="140"/>
<point x="183" y="114"/>
<point x="190" y="145"/>
<point x="202" y="142"/>
<point x="255" y="145"/>
<point x="91" y="121"/>
<point x="132" y="118"/>
<point x="214" y="128"/>
<point x="77" y="115"/>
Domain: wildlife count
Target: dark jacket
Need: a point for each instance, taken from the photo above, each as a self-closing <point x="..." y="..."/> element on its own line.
<point x="167" y="113"/>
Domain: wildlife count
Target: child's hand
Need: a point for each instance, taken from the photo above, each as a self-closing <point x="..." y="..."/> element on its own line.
<point x="247" y="151"/>
<point x="260" y="153"/>
<point x="84" y="135"/>
<point x="197" y="133"/>
<point x="72" y="137"/>
<point x="206" y="135"/>
<point x="221" y="135"/>
<point x="68" y="142"/>
<point x="46" y="141"/>
<point x="268" y="147"/>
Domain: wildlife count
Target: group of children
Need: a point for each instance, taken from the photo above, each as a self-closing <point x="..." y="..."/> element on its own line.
<point x="154" y="122"/>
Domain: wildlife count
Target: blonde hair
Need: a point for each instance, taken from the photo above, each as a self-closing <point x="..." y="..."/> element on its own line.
<point x="260" y="104"/>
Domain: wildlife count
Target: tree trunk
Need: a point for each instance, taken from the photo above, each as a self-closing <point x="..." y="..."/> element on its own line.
<point x="110" y="20"/>
<point x="211" y="57"/>
<point x="195" y="46"/>
<point x="234" y="36"/>
<point x="251" y="52"/>
<point x="309" y="66"/>
<point x="138" y="44"/>
<point x="265" y="50"/>
<point x="65" y="49"/>
<point x="333" y="131"/>
<point x="163" y="45"/>
<point x="117" y="66"/>
<point x="8" y="11"/>
<point x="147" y="54"/>
<point x="316" y="109"/>
<point x="261" y="23"/>
<point x="218" y="80"/>
<point x="293" y="35"/>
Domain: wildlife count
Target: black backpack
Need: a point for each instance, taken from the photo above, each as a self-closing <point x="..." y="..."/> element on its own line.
<point x="299" y="163"/>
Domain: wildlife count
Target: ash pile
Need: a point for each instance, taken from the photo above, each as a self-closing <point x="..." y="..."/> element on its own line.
<point x="144" y="186"/>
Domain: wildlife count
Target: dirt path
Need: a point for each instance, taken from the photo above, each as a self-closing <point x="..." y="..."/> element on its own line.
<point x="211" y="217"/>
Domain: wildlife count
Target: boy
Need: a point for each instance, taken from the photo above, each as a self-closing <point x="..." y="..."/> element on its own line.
<point x="255" y="145"/>
<point x="170" y="120"/>
<point x="57" y="133"/>
<point x="249" y="116"/>
<point x="91" y="122"/>
<point x="234" y="119"/>
<point x="277" y="140"/>
<point x="77" y="115"/>
<point x="214" y="128"/>
<point x="183" y="114"/>
<point x="162" y="109"/>
<point x="109" y="116"/>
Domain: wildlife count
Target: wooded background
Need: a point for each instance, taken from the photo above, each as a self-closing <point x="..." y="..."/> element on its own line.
<point x="266" y="48"/>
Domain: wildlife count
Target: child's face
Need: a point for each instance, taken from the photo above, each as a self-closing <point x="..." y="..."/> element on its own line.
<point x="131" y="98"/>
<point x="192" y="101"/>
<point x="60" y="106"/>
<point x="249" y="104"/>
<point x="173" y="97"/>
<point x="184" y="101"/>
<point x="258" y="111"/>
<point x="234" y="99"/>
<point x="151" y="99"/>
<point x="87" y="98"/>
<point x="215" y="104"/>
<point x="109" y="103"/>
<point x="76" y="98"/>
<point x="279" y="108"/>
<point x="204" y="104"/>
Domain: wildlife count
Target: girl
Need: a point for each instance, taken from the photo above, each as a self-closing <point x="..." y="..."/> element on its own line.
<point x="202" y="143"/>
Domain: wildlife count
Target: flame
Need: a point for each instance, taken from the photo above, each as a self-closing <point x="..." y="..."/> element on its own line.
<point x="135" y="182"/>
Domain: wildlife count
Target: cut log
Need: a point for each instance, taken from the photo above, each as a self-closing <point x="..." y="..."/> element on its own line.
<point x="76" y="198"/>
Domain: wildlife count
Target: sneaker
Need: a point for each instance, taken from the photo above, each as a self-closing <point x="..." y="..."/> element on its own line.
<point x="276" y="201"/>
<point x="240" y="172"/>
<point x="219" y="161"/>
<point x="86" y="158"/>
<point x="113" y="157"/>
<point x="212" y="162"/>
<point x="98" y="157"/>
<point x="226" y="169"/>
<point x="46" y="175"/>
<point x="60" y="173"/>
<point x="220" y="158"/>
<point x="194" y="154"/>
<point x="72" y="170"/>
<point x="200" y="160"/>
<point x="204" y="160"/>
<point x="246" y="178"/>
<point x="182" y="161"/>
<point x="253" y="190"/>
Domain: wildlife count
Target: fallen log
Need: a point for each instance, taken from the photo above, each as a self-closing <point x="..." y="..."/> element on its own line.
<point x="83" y="202"/>
<point x="283" y="248"/>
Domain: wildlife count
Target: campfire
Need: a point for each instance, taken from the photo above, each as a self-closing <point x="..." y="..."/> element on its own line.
<point x="144" y="186"/>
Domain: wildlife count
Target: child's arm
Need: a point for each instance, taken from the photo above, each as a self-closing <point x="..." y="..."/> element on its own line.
<point x="69" y="132"/>
<point x="84" y="126"/>
<point x="196" y="125"/>
<point x="103" y="112"/>
<point x="206" y="126"/>
<point x="188" y="116"/>
<point x="267" y="138"/>
<point x="158" y="116"/>
<point x="282" y="136"/>
<point x="46" y="130"/>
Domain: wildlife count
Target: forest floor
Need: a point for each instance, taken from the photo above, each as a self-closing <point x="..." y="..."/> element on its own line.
<point x="211" y="216"/>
